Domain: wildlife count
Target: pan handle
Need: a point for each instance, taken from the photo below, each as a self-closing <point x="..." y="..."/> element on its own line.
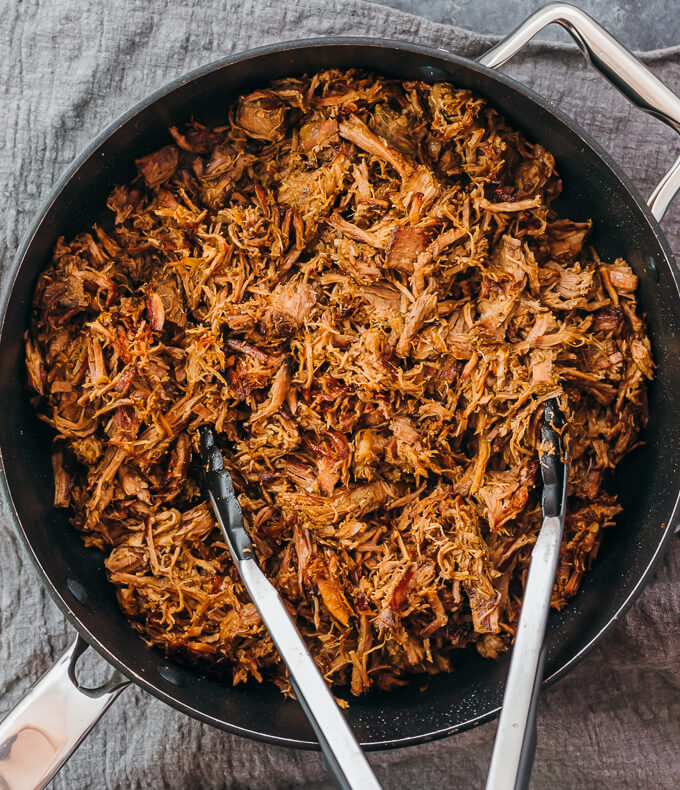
<point x="49" y="723"/>
<point x="616" y="63"/>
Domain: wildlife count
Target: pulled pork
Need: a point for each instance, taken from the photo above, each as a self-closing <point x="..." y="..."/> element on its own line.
<point x="360" y="284"/>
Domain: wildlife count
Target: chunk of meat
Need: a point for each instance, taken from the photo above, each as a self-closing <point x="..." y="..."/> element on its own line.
<point x="609" y="319"/>
<point x="542" y="366"/>
<point x="62" y="480"/>
<point x="302" y="475"/>
<point x="533" y="173"/>
<point x="305" y="554"/>
<point x="446" y="240"/>
<point x="261" y="115"/>
<point x="510" y="207"/>
<point x="401" y="589"/>
<point x="567" y="238"/>
<point x="67" y="293"/>
<point x="194" y="525"/>
<point x="574" y="282"/>
<point x="155" y="310"/>
<point x="127" y="559"/>
<point x="164" y="302"/>
<point x="591" y="484"/>
<point x="369" y="445"/>
<point x="404" y="247"/>
<point x="454" y="112"/>
<point x="332" y="452"/>
<point x="313" y="193"/>
<point x="277" y="393"/>
<point x="501" y="287"/>
<point x="34" y="366"/>
<point x="484" y="605"/>
<point x="290" y="306"/>
<point x="123" y="201"/>
<point x="423" y="187"/>
<point x="355" y="501"/>
<point x="641" y="352"/>
<point x="622" y="277"/>
<point x="422" y="309"/>
<point x="197" y="139"/>
<point x="331" y="590"/>
<point x="158" y="167"/>
<point x="491" y="646"/>
<point x="409" y="446"/>
<point x="384" y="301"/>
<point x="357" y="132"/>
<point x="353" y="231"/>
<point x="133" y="483"/>
<point x="247" y="348"/>
<point x="348" y="96"/>
<point x="394" y="127"/>
<point x="504" y="494"/>
<point x="318" y="133"/>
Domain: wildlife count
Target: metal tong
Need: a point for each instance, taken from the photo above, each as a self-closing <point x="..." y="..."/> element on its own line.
<point x="346" y="761"/>
<point x="515" y="744"/>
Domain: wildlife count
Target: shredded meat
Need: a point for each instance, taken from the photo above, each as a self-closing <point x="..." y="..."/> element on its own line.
<point x="362" y="286"/>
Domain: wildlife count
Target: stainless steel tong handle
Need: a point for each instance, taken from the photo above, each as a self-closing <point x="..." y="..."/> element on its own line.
<point x="49" y="723"/>
<point x="616" y="63"/>
<point x="515" y="743"/>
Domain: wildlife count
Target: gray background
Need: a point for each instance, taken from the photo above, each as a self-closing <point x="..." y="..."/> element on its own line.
<point x="67" y="69"/>
<point x="640" y="24"/>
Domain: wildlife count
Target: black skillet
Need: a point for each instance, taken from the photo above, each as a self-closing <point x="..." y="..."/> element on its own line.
<point x="57" y="710"/>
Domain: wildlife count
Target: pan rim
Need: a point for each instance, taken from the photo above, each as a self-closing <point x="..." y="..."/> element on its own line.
<point x="85" y="155"/>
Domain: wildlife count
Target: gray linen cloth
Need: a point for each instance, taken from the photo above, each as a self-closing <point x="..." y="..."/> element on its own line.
<point x="66" y="70"/>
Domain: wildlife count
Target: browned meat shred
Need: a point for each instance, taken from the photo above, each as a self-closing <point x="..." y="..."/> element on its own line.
<point x="362" y="286"/>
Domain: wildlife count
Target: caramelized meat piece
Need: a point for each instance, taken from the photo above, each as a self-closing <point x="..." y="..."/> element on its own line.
<point x="66" y="294"/>
<point x="62" y="480"/>
<point x="609" y="319"/>
<point x="317" y="133"/>
<point x="356" y="501"/>
<point x="420" y="311"/>
<point x="404" y="247"/>
<point x="261" y="115"/>
<point x="567" y="238"/>
<point x="155" y="310"/>
<point x="197" y="139"/>
<point x="290" y="305"/>
<point x="357" y="132"/>
<point x="158" y="167"/>
<point x="621" y="277"/>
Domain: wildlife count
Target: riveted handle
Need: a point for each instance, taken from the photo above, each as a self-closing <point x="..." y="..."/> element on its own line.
<point x="628" y="74"/>
<point x="47" y="726"/>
